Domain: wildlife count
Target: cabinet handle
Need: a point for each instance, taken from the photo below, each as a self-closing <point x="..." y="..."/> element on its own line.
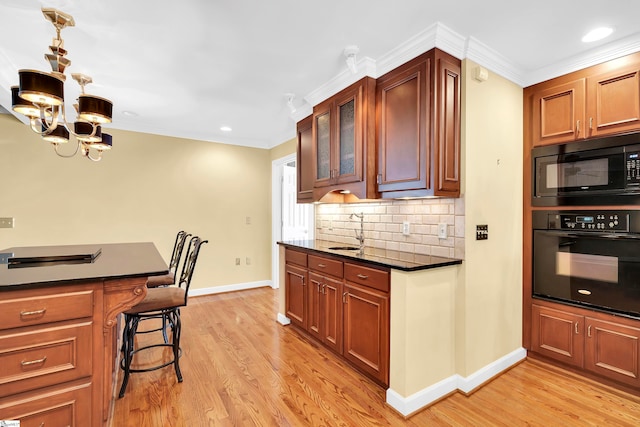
<point x="576" y="328"/>
<point x="33" y="362"/>
<point x="344" y="297"/>
<point x="589" y="331"/>
<point x="324" y="290"/>
<point x="318" y="285"/>
<point x="578" y="127"/>
<point x="379" y="179"/>
<point x="362" y="276"/>
<point x="322" y="265"/>
<point x="33" y="313"/>
<point x="590" y="123"/>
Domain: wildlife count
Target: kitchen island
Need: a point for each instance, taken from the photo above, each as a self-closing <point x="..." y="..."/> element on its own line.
<point x="390" y="314"/>
<point x="58" y="335"/>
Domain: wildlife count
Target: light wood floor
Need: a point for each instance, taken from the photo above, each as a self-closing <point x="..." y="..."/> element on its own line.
<point x="242" y="368"/>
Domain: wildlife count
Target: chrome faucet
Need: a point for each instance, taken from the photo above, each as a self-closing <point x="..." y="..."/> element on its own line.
<point x="359" y="237"/>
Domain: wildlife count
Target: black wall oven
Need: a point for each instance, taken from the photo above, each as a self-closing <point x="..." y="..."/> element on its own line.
<point x="588" y="258"/>
<point x="596" y="172"/>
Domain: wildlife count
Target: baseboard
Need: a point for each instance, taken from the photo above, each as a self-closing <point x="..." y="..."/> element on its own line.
<point x="411" y="404"/>
<point x="282" y="319"/>
<point x="408" y="405"/>
<point x="228" y="288"/>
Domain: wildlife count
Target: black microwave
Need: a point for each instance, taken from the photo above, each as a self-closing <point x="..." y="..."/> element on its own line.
<point x="602" y="171"/>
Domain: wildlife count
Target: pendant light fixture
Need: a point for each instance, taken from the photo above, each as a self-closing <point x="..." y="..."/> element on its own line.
<point x="40" y="97"/>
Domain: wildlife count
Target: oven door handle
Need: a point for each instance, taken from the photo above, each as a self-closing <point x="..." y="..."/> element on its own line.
<point x="596" y="235"/>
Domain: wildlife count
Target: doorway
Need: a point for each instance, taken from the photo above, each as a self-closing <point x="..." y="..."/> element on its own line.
<point x="290" y="220"/>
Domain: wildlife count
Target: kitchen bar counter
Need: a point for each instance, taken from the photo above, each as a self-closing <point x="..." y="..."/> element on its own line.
<point x="403" y="261"/>
<point x="51" y="264"/>
<point x="58" y="327"/>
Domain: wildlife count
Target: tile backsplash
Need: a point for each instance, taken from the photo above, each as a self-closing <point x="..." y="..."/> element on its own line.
<point x="383" y="223"/>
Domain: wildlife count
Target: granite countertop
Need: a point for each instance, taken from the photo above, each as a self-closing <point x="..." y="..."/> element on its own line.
<point x="52" y="264"/>
<point x="405" y="261"/>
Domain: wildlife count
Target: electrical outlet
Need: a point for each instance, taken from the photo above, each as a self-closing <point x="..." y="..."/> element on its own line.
<point x="482" y="232"/>
<point x="6" y="222"/>
<point x="442" y="231"/>
<point x="237" y="261"/>
<point x="405" y="228"/>
<point x="248" y="220"/>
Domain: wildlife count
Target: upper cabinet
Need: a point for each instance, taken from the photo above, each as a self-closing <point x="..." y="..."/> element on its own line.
<point x="598" y="101"/>
<point x="398" y="136"/>
<point x="305" y="178"/>
<point x="343" y="141"/>
<point x="418" y="132"/>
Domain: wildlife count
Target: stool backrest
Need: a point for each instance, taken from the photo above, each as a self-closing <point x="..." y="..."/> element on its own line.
<point x="178" y="247"/>
<point x="189" y="264"/>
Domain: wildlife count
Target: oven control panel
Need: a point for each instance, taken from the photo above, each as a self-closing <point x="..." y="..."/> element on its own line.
<point x="590" y="221"/>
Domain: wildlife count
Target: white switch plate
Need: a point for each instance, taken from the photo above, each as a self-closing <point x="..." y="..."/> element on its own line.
<point x="405" y="228"/>
<point x="442" y="231"/>
<point x="6" y="222"/>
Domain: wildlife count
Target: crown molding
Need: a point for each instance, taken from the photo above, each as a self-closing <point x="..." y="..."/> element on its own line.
<point x="607" y="52"/>
<point x="485" y="56"/>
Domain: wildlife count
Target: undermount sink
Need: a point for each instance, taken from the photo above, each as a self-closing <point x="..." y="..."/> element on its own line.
<point x="344" y="248"/>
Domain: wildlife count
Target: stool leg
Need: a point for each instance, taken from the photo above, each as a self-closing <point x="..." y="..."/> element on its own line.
<point x="177" y="329"/>
<point x="128" y="334"/>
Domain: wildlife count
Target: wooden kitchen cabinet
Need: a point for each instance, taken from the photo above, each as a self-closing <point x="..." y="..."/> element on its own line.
<point x="418" y="127"/>
<point x="305" y="180"/>
<point x="598" y="101"/>
<point x="558" y="334"/>
<point x="343" y="141"/>
<point x="325" y="301"/>
<point x="296" y="287"/>
<point x="366" y="320"/>
<point x="346" y="308"/>
<point x="609" y="348"/>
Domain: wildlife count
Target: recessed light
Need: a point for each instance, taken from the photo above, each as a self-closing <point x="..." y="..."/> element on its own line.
<point x="225" y="129"/>
<point x="597" y="34"/>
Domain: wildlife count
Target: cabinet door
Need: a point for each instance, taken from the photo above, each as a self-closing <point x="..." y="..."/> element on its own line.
<point x="447" y="129"/>
<point x="322" y="151"/>
<point x="558" y="335"/>
<point x="296" y="295"/>
<point x="332" y="313"/>
<point x="613" y="101"/>
<point x="366" y="330"/>
<point x="402" y="99"/>
<point x="314" y="302"/>
<point x="558" y="113"/>
<point x="612" y="350"/>
<point x="348" y="135"/>
<point x="305" y="160"/>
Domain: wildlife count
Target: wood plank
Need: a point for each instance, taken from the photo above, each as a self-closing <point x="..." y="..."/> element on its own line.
<point x="242" y="368"/>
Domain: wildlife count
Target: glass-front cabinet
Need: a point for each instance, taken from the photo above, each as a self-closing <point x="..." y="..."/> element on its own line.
<point x="338" y="137"/>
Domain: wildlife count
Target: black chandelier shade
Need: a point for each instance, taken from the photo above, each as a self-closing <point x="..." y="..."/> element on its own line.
<point x="41" y="88"/>
<point x="94" y="109"/>
<point x="60" y="135"/>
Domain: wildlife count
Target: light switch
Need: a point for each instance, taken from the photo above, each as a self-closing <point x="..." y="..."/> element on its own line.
<point x="6" y="222"/>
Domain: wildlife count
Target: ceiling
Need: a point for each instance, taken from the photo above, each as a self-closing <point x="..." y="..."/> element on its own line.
<point x="186" y="68"/>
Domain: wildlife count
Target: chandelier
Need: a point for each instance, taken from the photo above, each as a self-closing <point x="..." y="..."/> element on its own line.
<point x="40" y="97"/>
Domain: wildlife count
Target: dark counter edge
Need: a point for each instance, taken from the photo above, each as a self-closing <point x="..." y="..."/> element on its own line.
<point x="389" y="264"/>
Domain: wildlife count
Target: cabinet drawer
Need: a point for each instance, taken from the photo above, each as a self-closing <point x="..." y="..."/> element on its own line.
<point x="366" y="276"/>
<point x="36" y="310"/>
<point x="44" y="357"/>
<point x="295" y="257"/>
<point x="325" y="265"/>
<point x="67" y="407"/>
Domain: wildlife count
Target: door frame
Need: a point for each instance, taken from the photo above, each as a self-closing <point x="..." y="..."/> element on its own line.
<point x="276" y="215"/>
